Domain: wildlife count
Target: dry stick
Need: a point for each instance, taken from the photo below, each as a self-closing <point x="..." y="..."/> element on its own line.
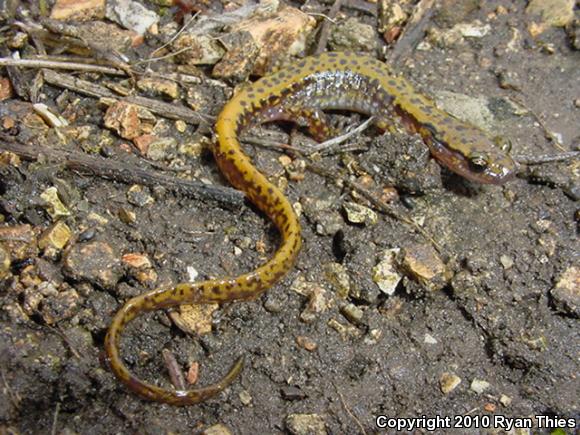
<point x="413" y="31"/>
<point x="327" y="145"/>
<point x="85" y="87"/>
<point x="546" y="158"/>
<point x="74" y="66"/>
<point x="55" y="419"/>
<point x="359" y="5"/>
<point x="125" y="173"/>
<point x="325" y="27"/>
<point x="175" y="373"/>
<point x="349" y="412"/>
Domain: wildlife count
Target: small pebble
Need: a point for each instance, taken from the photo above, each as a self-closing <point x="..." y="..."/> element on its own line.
<point x="217" y="429"/>
<point x="245" y="398"/>
<point x="479" y="385"/>
<point x="306" y="424"/>
<point x="505" y="400"/>
<point x="448" y="382"/>
<point x="139" y="196"/>
<point x="292" y="393"/>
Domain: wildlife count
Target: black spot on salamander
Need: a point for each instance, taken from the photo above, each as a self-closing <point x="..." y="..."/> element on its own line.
<point x="261" y="90"/>
<point x="216" y="290"/>
<point x="392" y="82"/>
<point x="460" y="127"/>
<point x="415" y="100"/>
<point x="251" y="95"/>
<point x="302" y="64"/>
<point x="332" y="54"/>
<point x="244" y="103"/>
<point x="342" y="61"/>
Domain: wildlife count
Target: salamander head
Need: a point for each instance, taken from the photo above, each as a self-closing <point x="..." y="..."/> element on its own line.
<point x="473" y="156"/>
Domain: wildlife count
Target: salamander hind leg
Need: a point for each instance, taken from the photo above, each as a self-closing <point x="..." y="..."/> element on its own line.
<point x="314" y="120"/>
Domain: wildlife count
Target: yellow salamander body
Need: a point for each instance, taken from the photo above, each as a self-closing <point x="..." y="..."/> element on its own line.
<point x="301" y="92"/>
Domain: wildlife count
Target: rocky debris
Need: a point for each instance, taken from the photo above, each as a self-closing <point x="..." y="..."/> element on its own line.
<point x="54" y="239"/>
<point x="322" y="212"/>
<point x="139" y="267"/>
<point x="207" y="97"/>
<point x="4" y="262"/>
<point x="566" y="293"/>
<point x="316" y="294"/>
<point x="194" y="319"/>
<point x="193" y="49"/>
<point x="479" y="385"/>
<point x="556" y="13"/>
<point x="217" y="429"/>
<point x="352" y="313"/>
<point x="305" y="424"/>
<point x="458" y="34"/>
<point x="359" y="214"/>
<point x="53" y="205"/>
<point x="245" y="398"/>
<point x="238" y="62"/>
<point x="306" y="343"/>
<point x="139" y="196"/>
<point x="19" y="241"/>
<point x="131" y="15"/>
<point x="352" y="35"/>
<point x="337" y="275"/>
<point x="385" y="273"/>
<point x="448" y="382"/>
<point x="391" y="18"/>
<point x="127" y="120"/>
<point x="291" y="393"/>
<point x="167" y="89"/>
<point x="278" y="35"/>
<point x="95" y="262"/>
<point x="78" y="10"/>
<point x="6" y="90"/>
<point x="422" y="264"/>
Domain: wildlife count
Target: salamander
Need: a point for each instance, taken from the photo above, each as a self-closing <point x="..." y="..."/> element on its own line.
<point x="301" y="92"/>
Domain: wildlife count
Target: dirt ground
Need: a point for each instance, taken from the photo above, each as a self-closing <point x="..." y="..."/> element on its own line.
<point x="498" y="324"/>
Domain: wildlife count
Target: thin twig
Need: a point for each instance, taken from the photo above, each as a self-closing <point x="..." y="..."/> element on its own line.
<point x="55" y="419"/>
<point x="359" y="5"/>
<point x="14" y="397"/>
<point x="168" y="110"/>
<point x="175" y="373"/>
<point x="74" y="66"/>
<point x="325" y="27"/>
<point x="413" y="31"/>
<point x="546" y="158"/>
<point x="349" y="412"/>
<point x="174" y="37"/>
<point x="324" y="146"/>
<point x="124" y="172"/>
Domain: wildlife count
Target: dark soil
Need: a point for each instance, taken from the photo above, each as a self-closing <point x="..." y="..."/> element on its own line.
<point x="496" y="319"/>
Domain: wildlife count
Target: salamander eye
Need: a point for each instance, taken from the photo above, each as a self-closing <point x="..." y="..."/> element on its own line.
<point x="503" y="144"/>
<point x="478" y="162"/>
